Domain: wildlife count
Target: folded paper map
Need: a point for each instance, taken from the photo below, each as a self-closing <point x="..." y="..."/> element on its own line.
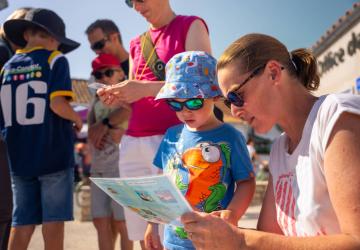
<point x="154" y="198"/>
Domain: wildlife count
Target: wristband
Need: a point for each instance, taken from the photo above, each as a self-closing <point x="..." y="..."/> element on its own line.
<point x="106" y="122"/>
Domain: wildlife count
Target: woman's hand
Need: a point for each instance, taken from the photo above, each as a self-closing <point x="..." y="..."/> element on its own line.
<point x="208" y="231"/>
<point x="127" y="91"/>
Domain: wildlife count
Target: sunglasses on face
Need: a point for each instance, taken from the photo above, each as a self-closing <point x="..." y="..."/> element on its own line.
<point x="99" y="44"/>
<point x="191" y="104"/>
<point x="130" y="3"/>
<point x="100" y="74"/>
<point x="236" y="98"/>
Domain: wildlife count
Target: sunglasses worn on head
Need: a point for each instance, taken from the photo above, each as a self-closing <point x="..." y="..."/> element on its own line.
<point x="130" y="3"/>
<point x="99" y="44"/>
<point x="100" y="74"/>
<point x="190" y="104"/>
<point x="236" y="98"/>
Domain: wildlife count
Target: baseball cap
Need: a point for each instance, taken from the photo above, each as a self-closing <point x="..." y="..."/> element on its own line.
<point x="104" y="61"/>
<point x="191" y="74"/>
<point x="45" y="19"/>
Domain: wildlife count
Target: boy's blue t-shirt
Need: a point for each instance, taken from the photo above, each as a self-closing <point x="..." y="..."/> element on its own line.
<point x="204" y="166"/>
<point x="39" y="141"/>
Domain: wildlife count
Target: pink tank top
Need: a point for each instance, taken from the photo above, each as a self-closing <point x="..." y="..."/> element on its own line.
<point x="150" y="117"/>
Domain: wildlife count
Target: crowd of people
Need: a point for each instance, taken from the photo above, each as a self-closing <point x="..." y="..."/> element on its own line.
<point x="160" y="99"/>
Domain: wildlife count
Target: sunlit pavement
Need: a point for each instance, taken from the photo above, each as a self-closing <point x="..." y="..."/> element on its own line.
<point x="82" y="235"/>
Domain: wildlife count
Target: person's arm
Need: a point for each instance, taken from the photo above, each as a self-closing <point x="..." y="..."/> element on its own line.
<point x="91" y="115"/>
<point x="120" y="115"/>
<point x="242" y="198"/>
<point x="267" y="219"/>
<point x="341" y="166"/>
<point x="152" y="238"/>
<point x="240" y="201"/>
<point x="116" y="134"/>
<point x="98" y="130"/>
<point x="60" y="106"/>
<point x="198" y="37"/>
<point x="60" y="89"/>
<point x="129" y="91"/>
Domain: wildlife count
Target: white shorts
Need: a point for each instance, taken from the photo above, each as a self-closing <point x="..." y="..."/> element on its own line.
<point x="136" y="159"/>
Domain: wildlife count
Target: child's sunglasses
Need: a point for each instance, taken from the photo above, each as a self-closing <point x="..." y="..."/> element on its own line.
<point x="100" y="74"/>
<point x="99" y="44"/>
<point x="190" y="104"/>
<point x="130" y="3"/>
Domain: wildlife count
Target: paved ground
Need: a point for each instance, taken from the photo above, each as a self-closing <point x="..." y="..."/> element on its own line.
<point x="82" y="235"/>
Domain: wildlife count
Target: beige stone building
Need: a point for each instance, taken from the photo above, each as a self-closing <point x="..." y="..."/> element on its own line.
<point x="338" y="54"/>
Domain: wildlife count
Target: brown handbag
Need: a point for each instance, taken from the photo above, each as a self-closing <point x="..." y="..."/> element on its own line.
<point x="156" y="65"/>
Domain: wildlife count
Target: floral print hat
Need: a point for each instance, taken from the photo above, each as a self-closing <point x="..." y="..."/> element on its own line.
<point x="191" y="74"/>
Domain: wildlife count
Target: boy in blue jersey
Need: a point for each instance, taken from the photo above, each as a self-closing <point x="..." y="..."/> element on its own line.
<point x="37" y="124"/>
<point x="207" y="159"/>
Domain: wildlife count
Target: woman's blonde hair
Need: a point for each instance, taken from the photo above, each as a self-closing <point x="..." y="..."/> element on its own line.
<point x="17" y="14"/>
<point x="254" y="50"/>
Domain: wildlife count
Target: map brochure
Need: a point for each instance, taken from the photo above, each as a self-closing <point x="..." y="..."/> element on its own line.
<point x="154" y="198"/>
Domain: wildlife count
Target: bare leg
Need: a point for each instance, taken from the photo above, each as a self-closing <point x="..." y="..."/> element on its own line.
<point x="142" y="244"/>
<point x="5" y="228"/>
<point x="53" y="233"/>
<point x="20" y="237"/>
<point x="125" y="242"/>
<point x="114" y="232"/>
<point x="104" y="232"/>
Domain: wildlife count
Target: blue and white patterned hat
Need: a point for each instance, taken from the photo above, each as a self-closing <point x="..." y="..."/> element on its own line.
<point x="191" y="74"/>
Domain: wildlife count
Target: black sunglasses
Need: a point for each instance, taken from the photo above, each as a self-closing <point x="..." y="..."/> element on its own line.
<point x="190" y="104"/>
<point x="99" y="44"/>
<point x="130" y="3"/>
<point x="100" y="74"/>
<point x="233" y="97"/>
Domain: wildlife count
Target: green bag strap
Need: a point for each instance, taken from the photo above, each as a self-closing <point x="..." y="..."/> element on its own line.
<point x="149" y="53"/>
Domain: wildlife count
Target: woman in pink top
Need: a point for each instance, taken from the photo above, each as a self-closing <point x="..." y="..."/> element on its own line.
<point x="171" y="34"/>
<point x="312" y="200"/>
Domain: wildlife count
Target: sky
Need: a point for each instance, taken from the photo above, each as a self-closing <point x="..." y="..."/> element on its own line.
<point x="296" y="23"/>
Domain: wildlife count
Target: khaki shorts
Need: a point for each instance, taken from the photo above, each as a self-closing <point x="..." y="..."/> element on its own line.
<point x="102" y="206"/>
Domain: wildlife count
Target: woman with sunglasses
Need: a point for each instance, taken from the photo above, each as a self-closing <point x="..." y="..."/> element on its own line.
<point x="170" y="34"/>
<point x="108" y="216"/>
<point x="312" y="200"/>
<point x="206" y="157"/>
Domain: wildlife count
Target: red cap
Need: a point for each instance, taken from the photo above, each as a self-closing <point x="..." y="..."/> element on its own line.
<point x="104" y="61"/>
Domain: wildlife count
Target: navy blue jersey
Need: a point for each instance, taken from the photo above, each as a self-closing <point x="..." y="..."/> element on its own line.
<point x="39" y="141"/>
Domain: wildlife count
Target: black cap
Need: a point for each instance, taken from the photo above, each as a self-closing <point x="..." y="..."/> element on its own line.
<point x="45" y="19"/>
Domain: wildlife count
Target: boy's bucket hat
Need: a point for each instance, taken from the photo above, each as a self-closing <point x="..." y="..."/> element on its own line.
<point x="45" y="19"/>
<point x="191" y="74"/>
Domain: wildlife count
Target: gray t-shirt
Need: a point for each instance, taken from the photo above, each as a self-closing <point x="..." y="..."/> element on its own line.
<point x="107" y="159"/>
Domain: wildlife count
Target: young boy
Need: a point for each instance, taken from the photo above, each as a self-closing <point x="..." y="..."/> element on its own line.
<point x="37" y="123"/>
<point x="204" y="156"/>
<point x="105" y="158"/>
